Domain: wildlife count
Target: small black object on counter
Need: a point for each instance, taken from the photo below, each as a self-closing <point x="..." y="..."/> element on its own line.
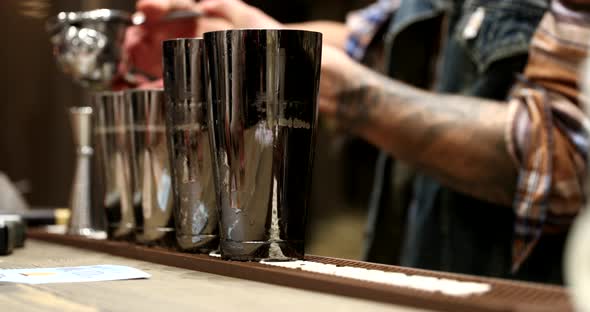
<point x="16" y="230"/>
<point x="46" y="216"/>
<point x="6" y="238"/>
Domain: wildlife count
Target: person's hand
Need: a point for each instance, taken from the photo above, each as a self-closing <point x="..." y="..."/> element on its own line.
<point x="338" y="78"/>
<point x="143" y="44"/>
<point x="237" y="13"/>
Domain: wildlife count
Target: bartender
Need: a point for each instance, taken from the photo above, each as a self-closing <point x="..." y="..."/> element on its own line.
<point x="480" y="109"/>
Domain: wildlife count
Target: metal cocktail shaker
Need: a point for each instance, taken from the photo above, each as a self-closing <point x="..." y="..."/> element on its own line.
<point x="87" y="217"/>
<point x="263" y="115"/>
<point x="189" y="147"/>
<point x="113" y="119"/>
<point x="152" y="181"/>
<point x="88" y="45"/>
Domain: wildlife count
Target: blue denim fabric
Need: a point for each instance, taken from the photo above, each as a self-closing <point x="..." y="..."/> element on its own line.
<point x="447" y="230"/>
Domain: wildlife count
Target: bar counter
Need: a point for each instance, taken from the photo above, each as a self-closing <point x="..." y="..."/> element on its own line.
<point x="188" y="282"/>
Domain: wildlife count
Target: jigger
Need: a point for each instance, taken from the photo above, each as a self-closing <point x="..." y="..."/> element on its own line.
<point x="87" y="218"/>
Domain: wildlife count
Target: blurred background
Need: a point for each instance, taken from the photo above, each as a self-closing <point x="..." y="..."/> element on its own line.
<point x="35" y="142"/>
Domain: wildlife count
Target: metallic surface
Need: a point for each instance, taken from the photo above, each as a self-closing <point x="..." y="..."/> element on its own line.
<point x="264" y="87"/>
<point x="189" y="148"/>
<point x="87" y="218"/>
<point x="152" y="181"/>
<point x="88" y="45"/>
<point x="113" y="143"/>
<point x="139" y="18"/>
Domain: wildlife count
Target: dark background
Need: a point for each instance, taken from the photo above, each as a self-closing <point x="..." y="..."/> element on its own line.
<point x="35" y="141"/>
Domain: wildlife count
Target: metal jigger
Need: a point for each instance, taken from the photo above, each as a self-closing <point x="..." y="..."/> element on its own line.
<point x="87" y="218"/>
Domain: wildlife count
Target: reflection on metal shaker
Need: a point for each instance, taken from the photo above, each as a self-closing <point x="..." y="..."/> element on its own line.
<point x="189" y="148"/>
<point x="114" y="152"/>
<point x="263" y="115"/>
<point x="152" y="185"/>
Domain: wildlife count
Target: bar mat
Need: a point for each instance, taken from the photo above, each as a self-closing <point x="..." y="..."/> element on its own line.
<point x="504" y="296"/>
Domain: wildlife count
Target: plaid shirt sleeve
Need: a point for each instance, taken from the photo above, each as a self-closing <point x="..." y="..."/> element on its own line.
<point x="547" y="134"/>
<point x="364" y="24"/>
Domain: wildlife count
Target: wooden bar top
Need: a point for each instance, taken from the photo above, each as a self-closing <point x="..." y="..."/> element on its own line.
<point x="169" y="289"/>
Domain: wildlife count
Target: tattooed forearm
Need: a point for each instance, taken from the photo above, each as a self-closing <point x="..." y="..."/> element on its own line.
<point x="355" y="106"/>
<point x="459" y="140"/>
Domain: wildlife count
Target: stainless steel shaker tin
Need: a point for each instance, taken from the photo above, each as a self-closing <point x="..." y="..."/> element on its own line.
<point x="263" y="116"/>
<point x="152" y="177"/>
<point x="111" y="131"/>
<point x="189" y="146"/>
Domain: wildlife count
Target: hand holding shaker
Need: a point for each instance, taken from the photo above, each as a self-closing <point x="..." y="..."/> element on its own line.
<point x="152" y="185"/>
<point x="263" y="115"/>
<point x="189" y="148"/>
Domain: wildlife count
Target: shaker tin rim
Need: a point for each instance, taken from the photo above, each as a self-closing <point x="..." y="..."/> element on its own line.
<point x="181" y="39"/>
<point x="81" y="110"/>
<point x="253" y="30"/>
<point x="283" y="30"/>
<point x="106" y="93"/>
<point x="143" y="90"/>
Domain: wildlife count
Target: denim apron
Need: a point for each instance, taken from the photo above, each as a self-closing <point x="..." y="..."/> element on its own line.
<point x="443" y="229"/>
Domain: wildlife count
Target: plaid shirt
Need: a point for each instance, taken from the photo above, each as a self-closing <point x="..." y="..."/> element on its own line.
<point x="364" y="25"/>
<point x="545" y="134"/>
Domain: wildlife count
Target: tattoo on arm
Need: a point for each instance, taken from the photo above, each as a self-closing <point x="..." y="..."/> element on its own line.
<point x="355" y="106"/>
<point x="458" y="140"/>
